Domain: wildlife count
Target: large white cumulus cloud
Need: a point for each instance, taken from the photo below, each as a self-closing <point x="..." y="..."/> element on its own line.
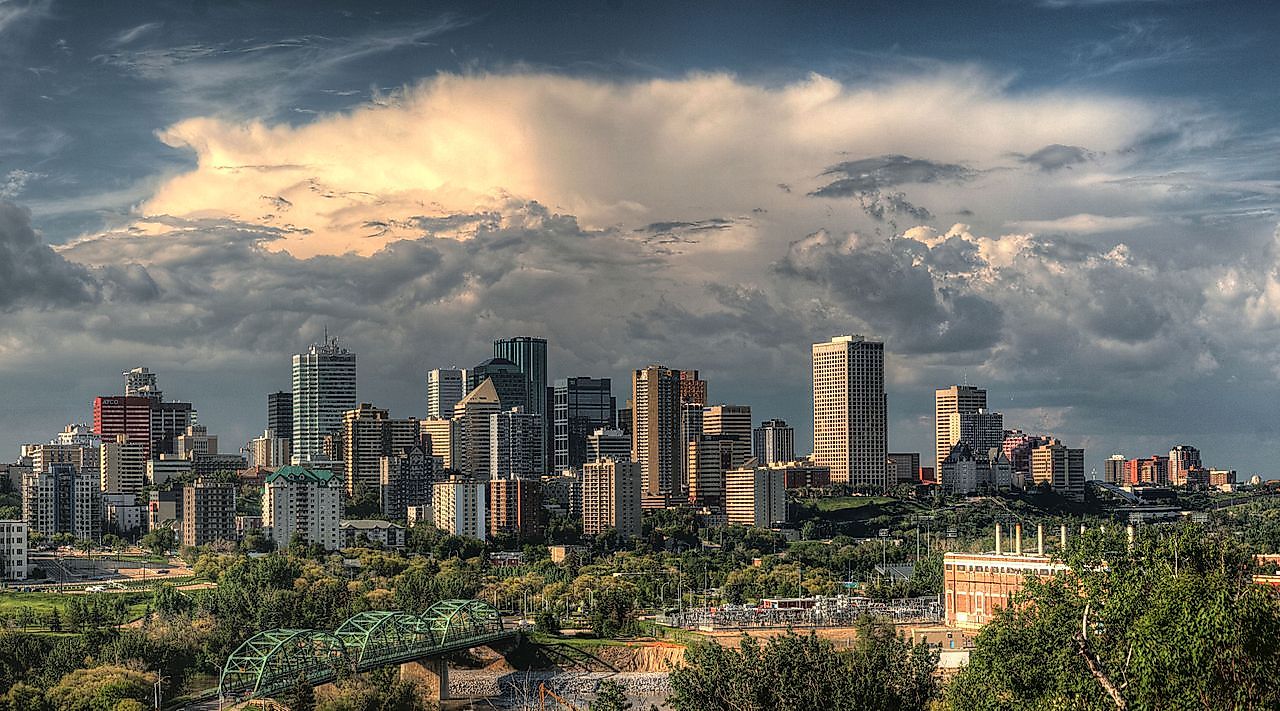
<point x="1025" y="239"/>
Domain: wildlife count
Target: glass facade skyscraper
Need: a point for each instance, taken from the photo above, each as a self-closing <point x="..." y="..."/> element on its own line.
<point x="580" y="406"/>
<point x="324" y="387"/>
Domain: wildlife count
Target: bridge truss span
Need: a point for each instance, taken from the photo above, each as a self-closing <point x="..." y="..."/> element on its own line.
<point x="274" y="661"/>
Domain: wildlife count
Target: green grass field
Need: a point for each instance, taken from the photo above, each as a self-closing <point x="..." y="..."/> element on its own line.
<point x="840" y="503"/>
<point x="42" y="602"/>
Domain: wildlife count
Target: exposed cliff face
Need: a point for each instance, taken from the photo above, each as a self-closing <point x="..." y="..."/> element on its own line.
<point x="639" y="657"/>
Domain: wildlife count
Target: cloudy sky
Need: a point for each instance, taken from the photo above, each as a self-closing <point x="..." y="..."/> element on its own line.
<point x="1071" y="202"/>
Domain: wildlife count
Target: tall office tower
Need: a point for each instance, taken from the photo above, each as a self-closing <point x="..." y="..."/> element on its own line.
<point x="850" y="413"/>
<point x="734" y="422"/>
<point x="368" y="435"/>
<point x="948" y="404"/>
<point x="208" y="512"/>
<point x="118" y="415"/>
<point x="169" y="419"/>
<point x="122" y="468"/>
<point x="655" y="443"/>
<point x="904" y="467"/>
<point x="459" y="507"/>
<point x="692" y="417"/>
<point x="63" y="498"/>
<point x="472" y="415"/>
<point x="1061" y="467"/>
<point x="442" y="439"/>
<point x="444" y="390"/>
<point x="508" y="381"/>
<point x="405" y="479"/>
<point x="304" y="502"/>
<point x="692" y="389"/>
<point x="579" y="407"/>
<point x="530" y="356"/>
<point x="626" y="419"/>
<point x="269" y="450"/>
<point x="324" y="387"/>
<point x="515" y="444"/>
<point x="196" y="440"/>
<point x="280" y="415"/>
<point x="709" y="458"/>
<point x="611" y="492"/>
<point x="514" y="505"/>
<point x="1182" y="459"/>
<point x="774" y="441"/>
<point x="1113" y="470"/>
<point x="613" y="444"/>
<point x="140" y="382"/>
<point x="981" y="429"/>
<point x="755" y="496"/>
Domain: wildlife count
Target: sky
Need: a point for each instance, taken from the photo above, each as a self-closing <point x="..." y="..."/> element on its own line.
<point x="1072" y="203"/>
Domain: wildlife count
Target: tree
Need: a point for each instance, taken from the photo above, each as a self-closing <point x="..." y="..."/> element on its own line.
<point x="546" y="623"/>
<point x="159" y="540"/>
<point x="99" y="688"/>
<point x="302" y="697"/>
<point x="1171" y="621"/>
<point x="610" y="697"/>
<point x="805" y="673"/>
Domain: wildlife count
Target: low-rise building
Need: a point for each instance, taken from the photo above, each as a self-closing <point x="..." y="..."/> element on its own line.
<point x="977" y="585"/>
<point x="803" y="473"/>
<point x="160" y="471"/>
<point x="365" y="532"/>
<point x="164" y="508"/>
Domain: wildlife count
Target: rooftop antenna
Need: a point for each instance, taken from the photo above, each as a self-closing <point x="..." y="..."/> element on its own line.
<point x="966" y="378"/>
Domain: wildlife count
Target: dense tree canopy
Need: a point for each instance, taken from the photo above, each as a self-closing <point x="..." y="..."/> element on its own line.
<point x="1171" y="622"/>
<point x="805" y="673"/>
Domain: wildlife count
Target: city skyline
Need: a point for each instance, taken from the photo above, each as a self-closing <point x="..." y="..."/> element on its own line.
<point x="179" y="194"/>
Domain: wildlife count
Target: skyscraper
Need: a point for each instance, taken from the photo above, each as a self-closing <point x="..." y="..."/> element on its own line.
<point x="1059" y="467"/>
<point x="655" y="444"/>
<point x="368" y="435"/>
<point x="472" y="415"/>
<point x="122" y="466"/>
<point x="580" y="406"/>
<point x="530" y="357"/>
<point x="140" y="382"/>
<point x="611" y="492"/>
<point x="850" y="418"/>
<point x="948" y="404"/>
<point x="515" y="445"/>
<point x="128" y="416"/>
<point x="1182" y="459"/>
<point x="773" y="441"/>
<point x="324" y="387"/>
<point x="692" y="388"/>
<point x="445" y="387"/>
<point x="709" y="458"/>
<point x="280" y="416"/>
<point x="981" y="430"/>
<point x="509" y="382"/>
<point x="732" y="422"/>
<point x="1113" y="469"/>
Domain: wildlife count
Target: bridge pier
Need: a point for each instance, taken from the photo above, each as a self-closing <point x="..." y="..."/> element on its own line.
<point x="432" y="673"/>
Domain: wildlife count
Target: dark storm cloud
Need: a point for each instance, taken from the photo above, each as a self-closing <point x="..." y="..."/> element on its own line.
<point x="870" y="175"/>
<point x="883" y="283"/>
<point x="32" y="274"/>
<point x="1056" y="157"/>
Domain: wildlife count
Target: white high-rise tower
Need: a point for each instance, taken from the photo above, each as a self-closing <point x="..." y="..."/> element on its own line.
<point x="324" y="387"/>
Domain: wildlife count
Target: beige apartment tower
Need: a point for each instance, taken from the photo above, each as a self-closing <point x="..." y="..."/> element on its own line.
<point x="948" y="404"/>
<point x="734" y="422"/>
<point x="850" y="412"/>
<point x="655" y="444"/>
<point x="611" y="497"/>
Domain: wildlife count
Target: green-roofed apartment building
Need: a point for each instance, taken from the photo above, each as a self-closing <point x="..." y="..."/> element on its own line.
<point x="297" y="500"/>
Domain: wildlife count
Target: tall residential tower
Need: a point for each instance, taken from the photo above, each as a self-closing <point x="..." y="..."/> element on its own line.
<point x="850" y="412"/>
<point x="324" y="387"/>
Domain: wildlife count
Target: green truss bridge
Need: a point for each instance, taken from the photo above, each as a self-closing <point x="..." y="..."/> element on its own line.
<point x="274" y="661"/>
